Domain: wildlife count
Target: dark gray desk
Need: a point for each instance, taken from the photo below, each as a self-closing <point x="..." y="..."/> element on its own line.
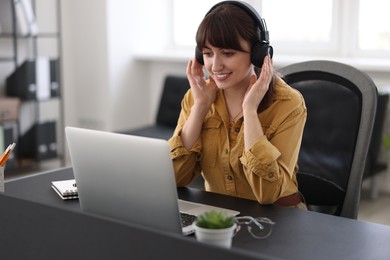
<point x="35" y="222"/>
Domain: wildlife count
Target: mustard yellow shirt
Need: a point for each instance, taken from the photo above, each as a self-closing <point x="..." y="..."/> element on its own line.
<point x="267" y="171"/>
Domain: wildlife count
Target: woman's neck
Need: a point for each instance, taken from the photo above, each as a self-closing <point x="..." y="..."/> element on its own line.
<point x="233" y="100"/>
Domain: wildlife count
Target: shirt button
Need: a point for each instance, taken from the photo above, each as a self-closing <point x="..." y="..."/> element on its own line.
<point x="270" y="175"/>
<point x="226" y="151"/>
<point x="237" y="129"/>
<point x="230" y="178"/>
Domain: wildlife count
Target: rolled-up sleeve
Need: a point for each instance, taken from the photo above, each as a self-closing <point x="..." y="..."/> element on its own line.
<point x="261" y="159"/>
<point x="270" y="165"/>
<point x="185" y="162"/>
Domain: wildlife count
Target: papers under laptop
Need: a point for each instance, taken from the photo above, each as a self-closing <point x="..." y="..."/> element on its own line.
<point x="129" y="178"/>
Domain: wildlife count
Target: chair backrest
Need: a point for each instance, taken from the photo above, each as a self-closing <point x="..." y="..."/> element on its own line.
<point x="341" y="105"/>
<point x="170" y="103"/>
<point x="373" y="166"/>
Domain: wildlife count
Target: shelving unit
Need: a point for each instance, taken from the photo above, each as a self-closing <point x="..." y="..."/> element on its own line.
<point x="24" y="48"/>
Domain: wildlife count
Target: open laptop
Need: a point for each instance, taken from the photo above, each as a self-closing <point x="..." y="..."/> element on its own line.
<point x="129" y="178"/>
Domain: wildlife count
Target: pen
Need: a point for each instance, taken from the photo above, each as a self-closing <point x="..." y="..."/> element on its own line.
<point x="6" y="154"/>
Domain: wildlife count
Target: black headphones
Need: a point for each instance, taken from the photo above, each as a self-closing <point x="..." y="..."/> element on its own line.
<point x="261" y="48"/>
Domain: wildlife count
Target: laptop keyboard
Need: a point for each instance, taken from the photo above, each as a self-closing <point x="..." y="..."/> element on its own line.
<point x="187" y="219"/>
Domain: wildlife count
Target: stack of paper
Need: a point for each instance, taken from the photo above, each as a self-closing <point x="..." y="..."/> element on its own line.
<point x="66" y="189"/>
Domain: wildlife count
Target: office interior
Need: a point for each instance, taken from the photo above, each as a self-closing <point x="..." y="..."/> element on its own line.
<point x="114" y="57"/>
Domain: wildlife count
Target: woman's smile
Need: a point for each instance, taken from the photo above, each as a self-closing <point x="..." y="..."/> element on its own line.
<point x="221" y="76"/>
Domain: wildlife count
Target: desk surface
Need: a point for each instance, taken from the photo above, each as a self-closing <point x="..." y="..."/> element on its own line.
<point x="297" y="234"/>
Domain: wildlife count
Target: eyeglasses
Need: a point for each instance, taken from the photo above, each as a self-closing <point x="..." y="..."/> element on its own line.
<point x="259" y="228"/>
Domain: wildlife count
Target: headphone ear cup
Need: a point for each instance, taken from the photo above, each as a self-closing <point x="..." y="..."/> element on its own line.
<point x="199" y="56"/>
<point x="259" y="52"/>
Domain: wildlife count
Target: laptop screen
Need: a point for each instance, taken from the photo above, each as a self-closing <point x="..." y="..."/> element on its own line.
<point x="129" y="178"/>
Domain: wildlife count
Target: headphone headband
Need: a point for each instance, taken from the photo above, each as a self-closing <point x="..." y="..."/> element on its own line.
<point x="261" y="48"/>
<point x="264" y="34"/>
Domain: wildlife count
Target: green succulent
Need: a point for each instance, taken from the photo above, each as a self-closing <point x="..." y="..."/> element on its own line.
<point x="214" y="220"/>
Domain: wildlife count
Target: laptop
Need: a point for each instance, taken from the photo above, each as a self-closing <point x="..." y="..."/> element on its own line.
<point x="129" y="178"/>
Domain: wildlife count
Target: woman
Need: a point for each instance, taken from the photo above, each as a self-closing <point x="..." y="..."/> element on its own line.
<point x="242" y="128"/>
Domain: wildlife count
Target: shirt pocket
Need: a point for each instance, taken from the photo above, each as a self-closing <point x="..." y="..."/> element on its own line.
<point x="210" y="136"/>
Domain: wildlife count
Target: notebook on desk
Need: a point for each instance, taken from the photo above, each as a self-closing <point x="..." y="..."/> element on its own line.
<point x="129" y="178"/>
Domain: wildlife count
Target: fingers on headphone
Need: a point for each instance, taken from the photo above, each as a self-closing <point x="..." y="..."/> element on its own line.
<point x="195" y="73"/>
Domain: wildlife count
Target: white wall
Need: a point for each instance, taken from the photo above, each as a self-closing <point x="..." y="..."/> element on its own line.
<point x="104" y="87"/>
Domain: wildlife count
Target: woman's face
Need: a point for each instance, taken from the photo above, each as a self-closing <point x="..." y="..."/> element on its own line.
<point x="229" y="68"/>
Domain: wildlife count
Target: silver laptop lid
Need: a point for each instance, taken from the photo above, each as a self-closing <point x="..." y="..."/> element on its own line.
<point x="125" y="177"/>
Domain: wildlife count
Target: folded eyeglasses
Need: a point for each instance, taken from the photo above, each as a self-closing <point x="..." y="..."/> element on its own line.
<point x="259" y="227"/>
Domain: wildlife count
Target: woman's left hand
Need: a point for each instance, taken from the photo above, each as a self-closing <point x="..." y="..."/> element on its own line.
<point x="258" y="87"/>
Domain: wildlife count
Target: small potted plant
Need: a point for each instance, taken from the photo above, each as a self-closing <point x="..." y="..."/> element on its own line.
<point x="215" y="227"/>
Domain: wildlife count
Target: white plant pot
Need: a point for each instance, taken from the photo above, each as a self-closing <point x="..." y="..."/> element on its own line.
<point x="218" y="237"/>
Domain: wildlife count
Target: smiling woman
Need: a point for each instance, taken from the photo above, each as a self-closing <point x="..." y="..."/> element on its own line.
<point x="242" y="127"/>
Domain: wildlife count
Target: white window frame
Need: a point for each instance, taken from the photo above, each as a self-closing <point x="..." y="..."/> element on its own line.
<point x="308" y="48"/>
<point x="343" y="38"/>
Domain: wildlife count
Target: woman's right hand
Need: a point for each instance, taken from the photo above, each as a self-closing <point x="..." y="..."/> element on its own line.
<point x="203" y="92"/>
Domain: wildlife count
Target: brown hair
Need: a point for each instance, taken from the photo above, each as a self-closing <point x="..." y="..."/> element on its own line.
<point x="223" y="27"/>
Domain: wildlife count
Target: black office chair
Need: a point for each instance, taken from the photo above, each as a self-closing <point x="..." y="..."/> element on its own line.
<point x="373" y="165"/>
<point x="341" y="103"/>
<point x="169" y="109"/>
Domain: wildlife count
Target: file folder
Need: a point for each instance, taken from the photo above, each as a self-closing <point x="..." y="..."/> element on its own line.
<point x="54" y="78"/>
<point x="39" y="142"/>
<point x="22" y="82"/>
<point x="35" y="79"/>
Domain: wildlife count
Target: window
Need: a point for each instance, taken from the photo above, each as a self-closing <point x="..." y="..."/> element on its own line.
<point x="187" y="16"/>
<point x="302" y="26"/>
<point x="320" y="27"/>
<point x="374" y="25"/>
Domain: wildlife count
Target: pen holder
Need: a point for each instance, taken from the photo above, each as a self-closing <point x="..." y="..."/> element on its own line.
<point x="1" y="179"/>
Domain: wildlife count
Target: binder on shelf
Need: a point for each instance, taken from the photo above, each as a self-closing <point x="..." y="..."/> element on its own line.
<point x="42" y="78"/>
<point x="21" y="18"/>
<point x="25" y="18"/>
<point x="35" y="79"/>
<point x="39" y="142"/>
<point x="54" y="78"/>
<point x="49" y="134"/>
<point x="30" y="17"/>
<point x="22" y="82"/>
